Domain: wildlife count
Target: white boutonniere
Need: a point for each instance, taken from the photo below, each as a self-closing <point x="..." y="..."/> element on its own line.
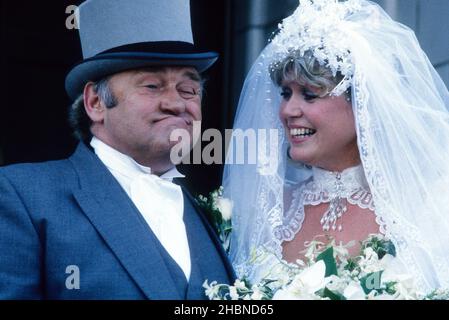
<point x="219" y="210"/>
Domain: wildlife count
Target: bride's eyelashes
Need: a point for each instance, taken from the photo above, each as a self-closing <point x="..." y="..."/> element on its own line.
<point x="286" y="93"/>
<point x="308" y="95"/>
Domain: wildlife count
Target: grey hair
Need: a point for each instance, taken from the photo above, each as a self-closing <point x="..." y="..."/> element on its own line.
<point x="105" y="93"/>
<point x="306" y="70"/>
<point x="79" y="120"/>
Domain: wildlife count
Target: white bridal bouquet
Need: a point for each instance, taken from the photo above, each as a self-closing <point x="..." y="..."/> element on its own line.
<point x="328" y="272"/>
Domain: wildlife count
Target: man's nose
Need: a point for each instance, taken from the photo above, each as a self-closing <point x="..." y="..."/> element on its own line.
<point x="172" y="102"/>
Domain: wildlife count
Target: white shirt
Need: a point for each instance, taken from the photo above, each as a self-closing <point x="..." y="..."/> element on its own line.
<point x="158" y="199"/>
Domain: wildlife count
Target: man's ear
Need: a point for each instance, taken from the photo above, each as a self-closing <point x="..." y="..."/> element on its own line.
<point x="92" y="103"/>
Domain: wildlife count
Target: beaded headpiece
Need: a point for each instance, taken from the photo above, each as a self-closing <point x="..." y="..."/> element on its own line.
<point x="317" y="26"/>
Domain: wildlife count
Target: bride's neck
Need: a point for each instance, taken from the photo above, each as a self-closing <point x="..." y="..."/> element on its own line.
<point x="339" y="167"/>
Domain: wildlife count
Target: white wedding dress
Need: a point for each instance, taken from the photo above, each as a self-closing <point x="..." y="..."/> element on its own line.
<point x="400" y="106"/>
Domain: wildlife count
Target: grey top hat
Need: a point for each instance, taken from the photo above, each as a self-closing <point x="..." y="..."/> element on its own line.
<point x="118" y="35"/>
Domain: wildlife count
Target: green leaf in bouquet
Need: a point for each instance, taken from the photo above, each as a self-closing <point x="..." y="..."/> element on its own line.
<point x="227" y="226"/>
<point x="351" y="265"/>
<point x="390" y="287"/>
<point x="326" y="293"/>
<point x="438" y="294"/>
<point x="223" y="291"/>
<point x="246" y="281"/>
<point x="379" y="245"/>
<point x="389" y="248"/>
<point x="328" y="258"/>
<point x="372" y="281"/>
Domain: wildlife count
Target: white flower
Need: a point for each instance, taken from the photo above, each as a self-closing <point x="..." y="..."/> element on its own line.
<point x="393" y="269"/>
<point x="296" y="282"/>
<point x="305" y="284"/>
<point x="240" y="284"/>
<point x="286" y="294"/>
<point x="211" y="290"/>
<point x="300" y="262"/>
<point x="279" y="271"/>
<point x="394" y="272"/>
<point x="337" y="284"/>
<point x="257" y="293"/>
<point x="282" y="279"/>
<point x="370" y="263"/>
<point x="404" y="292"/>
<point x="225" y="206"/>
<point x="387" y="261"/>
<point x="341" y="251"/>
<point x="374" y="296"/>
<point x="233" y="293"/>
<point x="354" y="291"/>
<point x="313" y="249"/>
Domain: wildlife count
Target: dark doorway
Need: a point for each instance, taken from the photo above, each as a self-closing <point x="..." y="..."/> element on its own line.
<point x="38" y="50"/>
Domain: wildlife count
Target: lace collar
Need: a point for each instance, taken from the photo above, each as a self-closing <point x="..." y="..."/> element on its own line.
<point x="336" y="184"/>
<point x="324" y="186"/>
<point x="336" y="188"/>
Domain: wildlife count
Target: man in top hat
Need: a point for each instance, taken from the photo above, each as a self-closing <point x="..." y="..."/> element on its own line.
<point x="108" y="222"/>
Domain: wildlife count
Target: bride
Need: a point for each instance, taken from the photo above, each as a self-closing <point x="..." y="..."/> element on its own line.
<point x="363" y="131"/>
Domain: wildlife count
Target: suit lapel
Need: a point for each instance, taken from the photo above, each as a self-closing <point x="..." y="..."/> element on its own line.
<point x="196" y="224"/>
<point x="122" y="227"/>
